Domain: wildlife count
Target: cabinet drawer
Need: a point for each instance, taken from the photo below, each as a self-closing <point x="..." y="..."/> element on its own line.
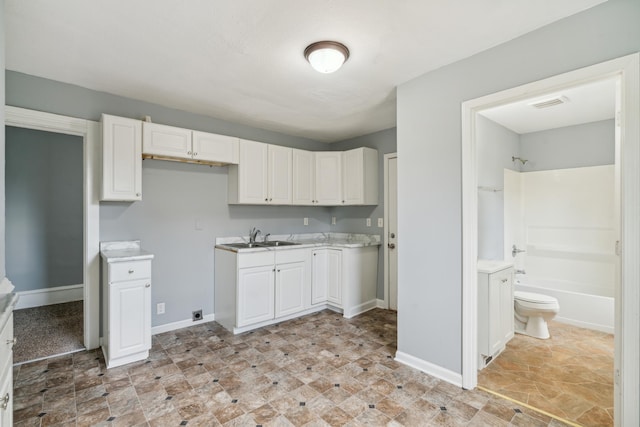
<point x="6" y="344"/>
<point x="256" y="259"/>
<point x="131" y="270"/>
<point x="291" y="255"/>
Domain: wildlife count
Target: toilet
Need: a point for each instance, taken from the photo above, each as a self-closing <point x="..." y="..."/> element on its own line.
<point x="532" y="311"/>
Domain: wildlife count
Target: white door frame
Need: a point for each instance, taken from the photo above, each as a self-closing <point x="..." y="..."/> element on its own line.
<point x="385" y="240"/>
<point x="89" y="132"/>
<point x="627" y="347"/>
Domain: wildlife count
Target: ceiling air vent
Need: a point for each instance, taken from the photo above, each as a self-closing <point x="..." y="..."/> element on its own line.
<point x="550" y="102"/>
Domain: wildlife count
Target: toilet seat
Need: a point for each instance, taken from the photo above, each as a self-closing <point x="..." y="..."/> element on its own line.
<point x="537" y="306"/>
<point x="530" y="299"/>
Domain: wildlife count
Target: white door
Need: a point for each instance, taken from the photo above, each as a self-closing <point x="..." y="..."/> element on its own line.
<point x="252" y="172"/>
<point x="319" y="277"/>
<point x="255" y="295"/>
<point x="289" y="288"/>
<point x="130" y="317"/>
<point x="392" y="230"/>
<point x="280" y="172"/>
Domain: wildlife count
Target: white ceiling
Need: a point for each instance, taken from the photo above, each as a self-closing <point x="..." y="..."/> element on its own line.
<point x="243" y="61"/>
<point x="585" y="104"/>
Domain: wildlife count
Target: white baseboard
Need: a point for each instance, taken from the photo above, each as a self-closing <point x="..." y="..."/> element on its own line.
<point x="593" y="326"/>
<point x="380" y="303"/>
<point x="361" y="308"/>
<point x="48" y="296"/>
<point x="167" y="327"/>
<point x="429" y="368"/>
<point x="6" y="287"/>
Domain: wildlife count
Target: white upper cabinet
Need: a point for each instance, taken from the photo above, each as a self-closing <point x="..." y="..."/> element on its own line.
<point x="328" y="174"/>
<point x="215" y="148"/>
<point x="173" y="143"/>
<point x="167" y="141"/>
<point x="304" y="180"/>
<point x="263" y="175"/>
<point x="360" y="177"/>
<point x="121" y="159"/>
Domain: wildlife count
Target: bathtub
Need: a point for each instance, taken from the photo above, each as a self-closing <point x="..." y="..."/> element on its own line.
<point x="578" y="309"/>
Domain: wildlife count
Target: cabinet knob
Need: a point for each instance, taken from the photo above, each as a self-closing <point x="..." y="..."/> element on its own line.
<point x="195" y="154"/>
<point x="5" y="401"/>
<point x="274" y="270"/>
<point x="314" y="254"/>
<point x="504" y="280"/>
<point x="148" y="285"/>
<point x="12" y="342"/>
<point x="278" y="271"/>
<point x="189" y="152"/>
<point x="266" y="200"/>
<point x="137" y="194"/>
<point x="343" y="201"/>
<point x="270" y="199"/>
<point x="131" y="271"/>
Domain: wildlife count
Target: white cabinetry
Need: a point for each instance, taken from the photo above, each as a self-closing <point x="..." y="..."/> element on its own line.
<point x="328" y="177"/>
<point x="263" y="175"/>
<point x="304" y="180"/>
<point x="252" y="289"/>
<point x="495" y="309"/>
<point x="127" y="311"/>
<point x="121" y="159"/>
<point x="326" y="284"/>
<point x="6" y="373"/>
<point x="360" y="177"/>
<point x="173" y="143"/>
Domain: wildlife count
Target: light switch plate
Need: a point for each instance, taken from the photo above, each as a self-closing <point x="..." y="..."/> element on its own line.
<point x="160" y="308"/>
<point x="380" y="222"/>
<point x="368" y="222"/>
<point x="333" y="220"/>
<point x="306" y="221"/>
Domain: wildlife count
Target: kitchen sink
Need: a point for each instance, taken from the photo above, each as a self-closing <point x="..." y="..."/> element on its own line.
<point x="261" y="244"/>
<point x="278" y="243"/>
<point x="244" y="245"/>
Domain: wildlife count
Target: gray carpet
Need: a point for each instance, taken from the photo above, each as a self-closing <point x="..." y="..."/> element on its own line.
<point x="47" y="331"/>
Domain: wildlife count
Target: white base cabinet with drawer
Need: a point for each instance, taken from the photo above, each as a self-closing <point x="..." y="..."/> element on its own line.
<point x="126" y="311"/>
<point x="495" y="310"/>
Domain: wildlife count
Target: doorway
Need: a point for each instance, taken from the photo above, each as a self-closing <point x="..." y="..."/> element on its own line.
<point x="391" y="230"/>
<point x="88" y="131"/>
<point x="626" y="370"/>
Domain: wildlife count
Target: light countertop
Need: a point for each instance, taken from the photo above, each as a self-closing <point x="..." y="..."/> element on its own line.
<point x="491" y="266"/>
<point x="343" y="240"/>
<point x="7" y="303"/>
<point x="123" y="251"/>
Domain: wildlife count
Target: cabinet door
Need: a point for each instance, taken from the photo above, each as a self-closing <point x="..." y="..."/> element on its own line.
<point x="121" y="158"/>
<point x="506" y="308"/>
<point x="289" y="288"/>
<point x="129" y="317"/>
<point x="352" y="177"/>
<point x="6" y="396"/>
<point x="303" y="177"/>
<point x="215" y="148"/>
<point x="334" y="276"/>
<point x="328" y="177"/>
<point x="255" y="295"/>
<point x="166" y="141"/>
<point x="252" y="173"/>
<point x="319" y="278"/>
<point x="280" y="171"/>
<point x="495" y="316"/>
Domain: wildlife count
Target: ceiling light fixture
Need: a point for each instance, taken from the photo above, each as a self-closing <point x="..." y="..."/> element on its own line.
<point x="326" y="56"/>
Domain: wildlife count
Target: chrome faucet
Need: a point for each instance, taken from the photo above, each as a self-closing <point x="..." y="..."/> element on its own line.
<point x="266" y="236"/>
<point x="253" y="233"/>
<point x="515" y="251"/>
<point x="520" y="272"/>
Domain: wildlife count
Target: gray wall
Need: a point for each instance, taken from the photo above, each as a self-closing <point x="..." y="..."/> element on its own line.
<point x="44" y="212"/>
<point x="495" y="146"/>
<point x="590" y="144"/>
<point x="429" y="162"/>
<point x="353" y="218"/>
<point x="2" y="160"/>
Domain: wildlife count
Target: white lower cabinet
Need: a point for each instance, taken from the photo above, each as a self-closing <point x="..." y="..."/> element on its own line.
<point x="255" y="295"/>
<point x="127" y="311"/>
<point x="6" y="373"/>
<point x="290" y="284"/>
<point x="326" y="285"/>
<point x="495" y="313"/>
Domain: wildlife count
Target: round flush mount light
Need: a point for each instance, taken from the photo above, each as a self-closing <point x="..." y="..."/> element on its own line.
<point x="326" y="56"/>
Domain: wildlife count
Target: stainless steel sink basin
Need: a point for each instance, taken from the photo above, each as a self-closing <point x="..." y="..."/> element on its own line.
<point x="261" y="244"/>
<point x="243" y="245"/>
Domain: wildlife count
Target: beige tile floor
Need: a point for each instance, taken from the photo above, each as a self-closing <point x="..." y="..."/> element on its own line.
<point x="570" y="375"/>
<point x="319" y="370"/>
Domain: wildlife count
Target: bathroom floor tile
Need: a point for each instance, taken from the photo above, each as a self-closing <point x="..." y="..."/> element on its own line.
<point x="570" y="375"/>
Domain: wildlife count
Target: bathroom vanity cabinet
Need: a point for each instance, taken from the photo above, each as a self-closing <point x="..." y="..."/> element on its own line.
<point x="495" y="309"/>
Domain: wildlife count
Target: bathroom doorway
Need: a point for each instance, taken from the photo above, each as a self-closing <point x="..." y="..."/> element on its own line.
<point x="626" y="69"/>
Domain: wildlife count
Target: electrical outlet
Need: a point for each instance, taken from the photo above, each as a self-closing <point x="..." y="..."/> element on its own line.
<point x="380" y="222"/>
<point x="160" y="308"/>
<point x="306" y="221"/>
<point x="196" y="315"/>
<point x="333" y="220"/>
<point x="368" y="222"/>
